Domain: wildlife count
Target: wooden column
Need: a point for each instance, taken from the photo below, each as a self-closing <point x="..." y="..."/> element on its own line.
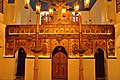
<point x="81" y="76"/>
<point x="37" y="50"/>
<point x="35" y="77"/>
<point x="81" y="50"/>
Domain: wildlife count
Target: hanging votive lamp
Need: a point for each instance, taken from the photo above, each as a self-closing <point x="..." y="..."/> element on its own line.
<point x="51" y="11"/>
<point x="63" y="12"/>
<point x="86" y="3"/>
<point x="76" y="7"/>
<point x="38" y="7"/>
<point x="26" y="3"/>
<point x="79" y="13"/>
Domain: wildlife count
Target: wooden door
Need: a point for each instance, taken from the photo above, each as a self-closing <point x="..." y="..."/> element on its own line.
<point x="21" y="63"/>
<point x="99" y="65"/>
<point x="59" y="66"/>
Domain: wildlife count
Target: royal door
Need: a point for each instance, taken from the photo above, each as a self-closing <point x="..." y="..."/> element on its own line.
<point x="59" y="64"/>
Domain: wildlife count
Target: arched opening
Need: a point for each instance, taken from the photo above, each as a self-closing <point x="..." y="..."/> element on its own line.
<point x="59" y="64"/>
<point x="99" y="64"/>
<point x="20" y="64"/>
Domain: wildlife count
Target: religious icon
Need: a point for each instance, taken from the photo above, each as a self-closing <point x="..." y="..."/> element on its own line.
<point x="44" y="49"/>
<point x="111" y="49"/>
<point x="74" y="48"/>
<point x="62" y="69"/>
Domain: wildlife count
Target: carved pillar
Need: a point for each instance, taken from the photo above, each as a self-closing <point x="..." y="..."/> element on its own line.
<point x="81" y="76"/>
<point x="35" y="77"/>
<point x="36" y="50"/>
<point x="81" y="50"/>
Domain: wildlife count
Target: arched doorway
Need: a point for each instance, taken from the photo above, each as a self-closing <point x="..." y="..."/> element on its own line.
<point x="59" y="64"/>
<point x="99" y="64"/>
<point x="21" y="64"/>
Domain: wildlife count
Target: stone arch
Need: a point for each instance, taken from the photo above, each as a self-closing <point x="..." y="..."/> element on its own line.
<point x="55" y="43"/>
<point x="56" y="50"/>
<point x="104" y="50"/>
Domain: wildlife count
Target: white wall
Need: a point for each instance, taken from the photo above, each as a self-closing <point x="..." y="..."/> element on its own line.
<point x="96" y="12"/>
<point x="44" y="69"/>
<point x="45" y="72"/>
<point x="17" y="14"/>
<point x="27" y="15"/>
<point x="18" y="11"/>
<point x="89" y="69"/>
<point x="73" y="69"/>
<point x="6" y="64"/>
<point x="103" y="11"/>
<point x="118" y="17"/>
<point x="1" y="18"/>
<point x="114" y="64"/>
<point x="13" y="11"/>
<point x="8" y="12"/>
<point x="86" y="16"/>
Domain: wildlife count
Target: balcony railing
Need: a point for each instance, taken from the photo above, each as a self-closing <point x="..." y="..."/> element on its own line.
<point x="1" y="6"/>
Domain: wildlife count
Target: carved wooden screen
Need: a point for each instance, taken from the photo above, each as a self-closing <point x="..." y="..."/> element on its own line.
<point x="59" y="66"/>
<point x="118" y="6"/>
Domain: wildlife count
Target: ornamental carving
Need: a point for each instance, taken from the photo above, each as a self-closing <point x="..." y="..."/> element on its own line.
<point x="66" y="35"/>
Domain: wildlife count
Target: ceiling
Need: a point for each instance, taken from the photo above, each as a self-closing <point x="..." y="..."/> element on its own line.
<point x="46" y="3"/>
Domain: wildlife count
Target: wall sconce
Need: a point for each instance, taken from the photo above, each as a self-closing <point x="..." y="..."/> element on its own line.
<point x="63" y="12"/>
<point x="76" y="7"/>
<point x="38" y="7"/>
<point x="26" y="4"/>
<point x="86" y="3"/>
<point x="51" y="11"/>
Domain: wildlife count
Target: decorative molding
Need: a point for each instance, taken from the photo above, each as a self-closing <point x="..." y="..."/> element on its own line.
<point x="118" y="6"/>
<point x="50" y="36"/>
